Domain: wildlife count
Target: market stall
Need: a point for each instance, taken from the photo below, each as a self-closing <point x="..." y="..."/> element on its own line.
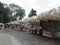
<point x="51" y="26"/>
<point x="34" y="25"/>
<point x="1" y="26"/>
<point x="14" y="25"/>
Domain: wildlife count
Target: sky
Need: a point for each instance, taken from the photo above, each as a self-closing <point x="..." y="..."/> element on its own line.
<point x="38" y="5"/>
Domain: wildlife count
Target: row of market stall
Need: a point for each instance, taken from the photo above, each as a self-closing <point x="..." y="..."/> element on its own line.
<point x="14" y="25"/>
<point x="47" y="25"/>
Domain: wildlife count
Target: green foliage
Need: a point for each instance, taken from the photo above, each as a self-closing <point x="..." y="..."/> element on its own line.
<point x="6" y="12"/>
<point x="20" y="13"/>
<point x="32" y="13"/>
<point x="12" y="18"/>
<point x="1" y="8"/>
<point x="4" y="18"/>
<point x="6" y="15"/>
<point x="13" y="6"/>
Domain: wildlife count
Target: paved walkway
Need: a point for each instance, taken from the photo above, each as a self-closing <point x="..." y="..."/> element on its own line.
<point x="25" y="38"/>
<point x="6" y="39"/>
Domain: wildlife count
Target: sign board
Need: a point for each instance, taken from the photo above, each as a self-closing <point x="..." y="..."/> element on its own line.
<point x="46" y="33"/>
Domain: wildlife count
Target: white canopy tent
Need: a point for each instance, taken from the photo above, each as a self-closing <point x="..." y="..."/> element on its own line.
<point x="15" y="22"/>
<point x="53" y="14"/>
<point x="30" y="18"/>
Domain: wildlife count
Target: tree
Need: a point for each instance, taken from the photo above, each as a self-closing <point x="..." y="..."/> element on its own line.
<point x="6" y="12"/>
<point x="17" y="11"/>
<point x="32" y="13"/>
<point x="6" y="15"/>
<point x="20" y="13"/>
<point x="4" y="18"/>
<point x="1" y="11"/>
